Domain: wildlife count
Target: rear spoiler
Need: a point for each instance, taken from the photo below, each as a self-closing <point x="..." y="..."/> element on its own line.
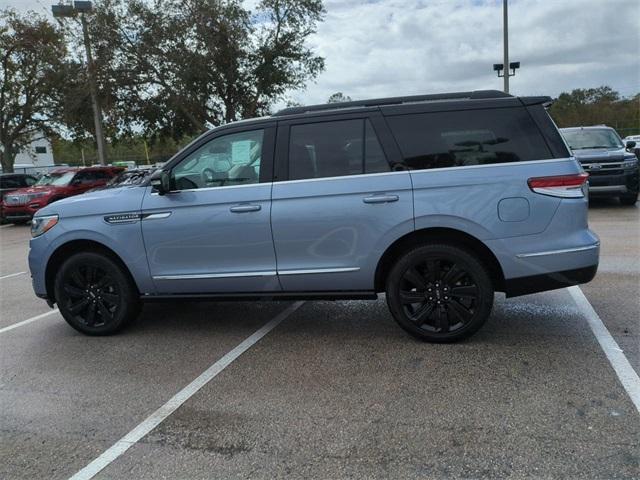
<point x="529" y="101"/>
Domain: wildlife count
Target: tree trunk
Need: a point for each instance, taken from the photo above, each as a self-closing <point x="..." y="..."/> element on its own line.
<point x="7" y="157"/>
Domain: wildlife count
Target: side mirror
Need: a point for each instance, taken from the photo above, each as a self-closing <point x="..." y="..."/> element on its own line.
<point x="631" y="144"/>
<point x="161" y="182"/>
<point x="76" y="181"/>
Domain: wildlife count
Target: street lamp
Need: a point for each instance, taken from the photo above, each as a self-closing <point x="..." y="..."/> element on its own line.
<point x="513" y="66"/>
<point x="83" y="8"/>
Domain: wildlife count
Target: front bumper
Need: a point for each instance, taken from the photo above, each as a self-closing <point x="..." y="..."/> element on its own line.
<point x="22" y="212"/>
<point x="613" y="182"/>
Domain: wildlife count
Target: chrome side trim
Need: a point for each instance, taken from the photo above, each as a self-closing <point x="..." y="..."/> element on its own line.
<point x="201" y="276"/>
<point x="155" y="216"/>
<point x="444" y="169"/>
<point x="556" y="252"/>
<point x="318" y="270"/>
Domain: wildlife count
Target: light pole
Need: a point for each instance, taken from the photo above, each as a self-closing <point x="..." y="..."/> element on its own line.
<point x="508" y="67"/>
<point x="82" y="8"/>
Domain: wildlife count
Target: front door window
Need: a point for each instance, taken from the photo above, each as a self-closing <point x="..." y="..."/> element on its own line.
<point x="229" y="160"/>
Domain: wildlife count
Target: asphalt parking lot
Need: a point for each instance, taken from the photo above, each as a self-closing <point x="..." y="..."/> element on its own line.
<point x="334" y="390"/>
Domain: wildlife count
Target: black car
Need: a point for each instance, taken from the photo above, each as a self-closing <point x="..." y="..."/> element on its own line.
<point x="10" y="182"/>
<point x="612" y="166"/>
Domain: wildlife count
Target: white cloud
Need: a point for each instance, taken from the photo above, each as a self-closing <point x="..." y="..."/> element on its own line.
<point x="396" y="47"/>
<point x="399" y="47"/>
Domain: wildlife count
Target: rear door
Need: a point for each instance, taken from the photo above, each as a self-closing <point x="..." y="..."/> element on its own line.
<point x="337" y="204"/>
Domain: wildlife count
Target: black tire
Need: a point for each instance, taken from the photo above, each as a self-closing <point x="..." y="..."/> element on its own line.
<point x="452" y="289"/>
<point x="629" y="199"/>
<point x="95" y="295"/>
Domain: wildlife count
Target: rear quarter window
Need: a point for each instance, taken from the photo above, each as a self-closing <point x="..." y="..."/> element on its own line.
<point x="466" y="138"/>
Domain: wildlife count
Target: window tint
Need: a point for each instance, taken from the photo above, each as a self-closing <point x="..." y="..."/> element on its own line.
<point x="10" y="182"/>
<point x="334" y="149"/>
<point x="232" y="159"/>
<point x="473" y="137"/>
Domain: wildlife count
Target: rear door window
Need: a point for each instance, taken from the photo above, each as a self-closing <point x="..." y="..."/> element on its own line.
<point x="466" y="138"/>
<point x="334" y="149"/>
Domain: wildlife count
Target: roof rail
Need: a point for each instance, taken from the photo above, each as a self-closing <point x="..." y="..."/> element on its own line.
<point x="377" y="102"/>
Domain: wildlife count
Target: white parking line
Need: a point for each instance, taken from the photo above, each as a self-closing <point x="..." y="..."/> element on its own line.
<point x="627" y="375"/>
<point x="12" y="275"/>
<point x="157" y="417"/>
<point x="29" y="320"/>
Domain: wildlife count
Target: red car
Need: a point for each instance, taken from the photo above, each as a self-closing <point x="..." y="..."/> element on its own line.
<point x="20" y="205"/>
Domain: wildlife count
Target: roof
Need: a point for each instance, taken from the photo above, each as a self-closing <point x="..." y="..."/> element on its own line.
<point x="77" y="169"/>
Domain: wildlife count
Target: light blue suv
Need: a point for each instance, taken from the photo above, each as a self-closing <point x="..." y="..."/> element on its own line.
<point x="436" y="200"/>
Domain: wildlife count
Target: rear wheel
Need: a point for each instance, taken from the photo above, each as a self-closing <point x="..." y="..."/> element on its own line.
<point x="95" y="295"/>
<point x="629" y="199"/>
<point x="439" y="293"/>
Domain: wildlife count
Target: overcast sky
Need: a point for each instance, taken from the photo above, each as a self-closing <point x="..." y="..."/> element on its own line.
<point x="396" y="47"/>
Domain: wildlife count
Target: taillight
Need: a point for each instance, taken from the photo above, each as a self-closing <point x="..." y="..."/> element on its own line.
<point x="565" y="186"/>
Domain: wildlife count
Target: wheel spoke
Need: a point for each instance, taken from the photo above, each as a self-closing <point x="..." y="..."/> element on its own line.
<point x="91" y="314"/>
<point x="111" y="298"/>
<point x="442" y="320"/>
<point x="104" y="312"/>
<point x="453" y="275"/>
<point x="468" y="291"/>
<point x="103" y="282"/>
<point x="433" y="270"/>
<point x="459" y="311"/>
<point x="411" y="297"/>
<point x="414" y="277"/>
<point x="80" y="281"/>
<point x="78" y="306"/>
<point x="73" y="291"/>
<point x="421" y="315"/>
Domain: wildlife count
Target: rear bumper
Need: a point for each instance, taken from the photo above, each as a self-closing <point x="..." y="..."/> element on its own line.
<point x="549" y="281"/>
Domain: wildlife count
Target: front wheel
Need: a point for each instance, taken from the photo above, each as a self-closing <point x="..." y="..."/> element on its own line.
<point x="439" y="293"/>
<point x="95" y="295"/>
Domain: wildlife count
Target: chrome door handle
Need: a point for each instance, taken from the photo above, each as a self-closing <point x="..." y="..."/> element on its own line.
<point x="381" y="199"/>
<point x="245" y="208"/>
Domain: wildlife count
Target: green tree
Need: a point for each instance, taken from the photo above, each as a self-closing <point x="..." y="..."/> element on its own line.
<point x="594" y="106"/>
<point x="175" y="68"/>
<point x="31" y="67"/>
<point x="338" y="97"/>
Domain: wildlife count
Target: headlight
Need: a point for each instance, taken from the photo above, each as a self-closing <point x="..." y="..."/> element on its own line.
<point x="40" y="225"/>
<point x="632" y="162"/>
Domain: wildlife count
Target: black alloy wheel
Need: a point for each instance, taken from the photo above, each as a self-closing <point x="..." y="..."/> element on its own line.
<point x="440" y="293"/>
<point x="95" y="295"/>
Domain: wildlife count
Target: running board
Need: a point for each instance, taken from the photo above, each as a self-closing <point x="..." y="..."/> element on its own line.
<point x="263" y="296"/>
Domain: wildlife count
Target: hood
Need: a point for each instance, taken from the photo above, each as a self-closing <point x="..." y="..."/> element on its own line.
<point x="35" y="189"/>
<point x="601" y="154"/>
<point x="98" y="202"/>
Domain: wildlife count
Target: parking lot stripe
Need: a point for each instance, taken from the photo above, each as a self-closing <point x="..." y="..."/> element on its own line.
<point x="627" y="375"/>
<point x="157" y="417"/>
<point x="12" y="275"/>
<point x="29" y="320"/>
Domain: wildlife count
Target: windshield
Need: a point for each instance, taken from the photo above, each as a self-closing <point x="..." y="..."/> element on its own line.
<point x="591" y="138"/>
<point x="56" y="179"/>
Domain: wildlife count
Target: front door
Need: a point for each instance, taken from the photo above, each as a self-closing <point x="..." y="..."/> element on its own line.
<point x="212" y="232"/>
